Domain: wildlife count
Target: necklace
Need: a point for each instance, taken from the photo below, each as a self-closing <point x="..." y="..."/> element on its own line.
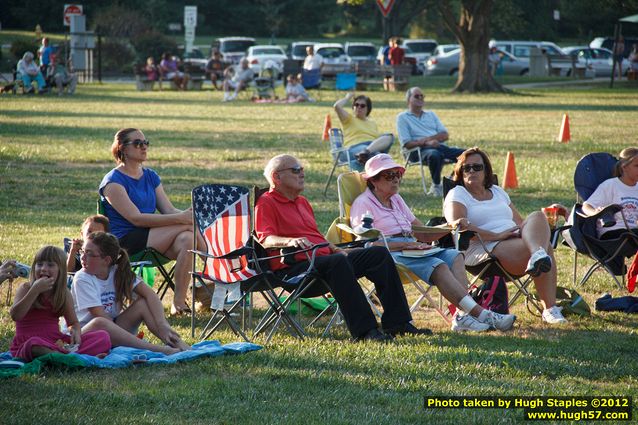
<point x="406" y="233"/>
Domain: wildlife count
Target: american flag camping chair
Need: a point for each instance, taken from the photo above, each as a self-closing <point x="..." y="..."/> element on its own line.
<point x="222" y="215"/>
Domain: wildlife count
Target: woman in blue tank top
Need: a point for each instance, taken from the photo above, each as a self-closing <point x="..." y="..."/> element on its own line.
<point x="131" y="194"/>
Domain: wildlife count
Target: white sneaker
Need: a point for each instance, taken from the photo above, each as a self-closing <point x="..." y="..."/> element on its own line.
<point x="436" y="190"/>
<point x="469" y="323"/>
<point x="554" y="315"/>
<point x="501" y="322"/>
<point x="538" y="263"/>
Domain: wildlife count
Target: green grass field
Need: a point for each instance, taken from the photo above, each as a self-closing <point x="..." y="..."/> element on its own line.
<point x="54" y="151"/>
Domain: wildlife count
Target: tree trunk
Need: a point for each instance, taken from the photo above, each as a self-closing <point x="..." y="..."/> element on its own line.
<point x="473" y="34"/>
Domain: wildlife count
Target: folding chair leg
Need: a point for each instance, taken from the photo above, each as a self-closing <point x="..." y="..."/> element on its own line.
<point x="332" y="172"/>
<point x="425" y="189"/>
<point x="333" y="320"/>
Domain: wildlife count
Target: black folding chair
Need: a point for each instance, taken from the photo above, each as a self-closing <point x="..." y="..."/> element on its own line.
<point x="582" y="235"/>
<point x="491" y="266"/>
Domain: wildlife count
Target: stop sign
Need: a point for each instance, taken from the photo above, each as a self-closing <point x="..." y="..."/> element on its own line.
<point x="71" y="9"/>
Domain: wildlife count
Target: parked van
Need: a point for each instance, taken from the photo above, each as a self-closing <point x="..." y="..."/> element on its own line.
<point x="233" y="48"/>
<point x="608" y="43"/>
<point x="522" y="49"/>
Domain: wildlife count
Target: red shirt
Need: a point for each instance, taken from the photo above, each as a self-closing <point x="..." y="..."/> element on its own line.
<point x="396" y="55"/>
<point x="276" y="215"/>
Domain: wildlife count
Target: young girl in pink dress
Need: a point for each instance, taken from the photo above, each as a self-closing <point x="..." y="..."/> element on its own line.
<point x="38" y="306"/>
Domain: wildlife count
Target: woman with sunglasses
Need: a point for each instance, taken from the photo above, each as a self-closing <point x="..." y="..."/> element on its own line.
<point x="360" y="133"/>
<point x="444" y="268"/>
<point x="521" y="246"/>
<point x="131" y="193"/>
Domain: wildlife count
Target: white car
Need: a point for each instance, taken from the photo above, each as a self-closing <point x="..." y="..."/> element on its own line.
<point x="266" y="56"/>
<point x="597" y="61"/>
<point x="332" y="53"/>
<point x="444" y="48"/>
<point x="361" y="51"/>
<point x="522" y="49"/>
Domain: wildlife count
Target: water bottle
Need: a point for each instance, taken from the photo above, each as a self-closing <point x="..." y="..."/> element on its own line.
<point x="336" y="139"/>
<point x="366" y="224"/>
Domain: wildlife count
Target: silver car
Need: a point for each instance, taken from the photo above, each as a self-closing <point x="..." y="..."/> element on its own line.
<point x="598" y="61"/>
<point x="448" y="64"/>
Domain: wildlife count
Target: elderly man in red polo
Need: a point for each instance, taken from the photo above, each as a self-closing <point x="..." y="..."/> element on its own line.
<point x="284" y="218"/>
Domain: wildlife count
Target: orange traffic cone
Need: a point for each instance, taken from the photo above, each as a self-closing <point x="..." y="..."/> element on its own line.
<point x="509" y="175"/>
<point x="563" y="135"/>
<point x="327" y="125"/>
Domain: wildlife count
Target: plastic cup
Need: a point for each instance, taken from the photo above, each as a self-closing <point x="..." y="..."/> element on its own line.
<point x="551" y="213"/>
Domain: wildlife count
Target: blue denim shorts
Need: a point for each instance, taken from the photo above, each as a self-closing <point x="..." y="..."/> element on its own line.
<point x="424" y="266"/>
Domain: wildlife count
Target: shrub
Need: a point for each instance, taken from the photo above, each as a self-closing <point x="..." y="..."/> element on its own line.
<point x="116" y="55"/>
<point x="152" y="44"/>
<point x="20" y="47"/>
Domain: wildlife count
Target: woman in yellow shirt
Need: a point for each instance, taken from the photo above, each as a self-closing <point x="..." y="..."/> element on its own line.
<point x="360" y="133"/>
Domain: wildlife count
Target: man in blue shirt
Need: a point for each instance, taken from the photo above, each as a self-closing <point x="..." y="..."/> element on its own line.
<point x="423" y="129"/>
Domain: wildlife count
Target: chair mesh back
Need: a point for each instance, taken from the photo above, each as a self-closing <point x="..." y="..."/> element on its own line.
<point x="222" y="215"/>
<point x="591" y="171"/>
<point x="349" y="186"/>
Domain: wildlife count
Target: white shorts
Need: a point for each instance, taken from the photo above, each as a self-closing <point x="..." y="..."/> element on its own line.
<point x="172" y="75"/>
<point x="476" y="254"/>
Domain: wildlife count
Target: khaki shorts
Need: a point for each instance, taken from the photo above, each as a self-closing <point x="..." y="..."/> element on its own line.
<point x="476" y="254"/>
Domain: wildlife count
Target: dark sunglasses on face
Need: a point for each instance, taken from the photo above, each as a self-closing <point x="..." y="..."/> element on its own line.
<point x="391" y="175"/>
<point x="472" y="167"/>
<point x="359" y="105"/>
<point x="294" y="170"/>
<point x="418" y="96"/>
<point x="138" y="143"/>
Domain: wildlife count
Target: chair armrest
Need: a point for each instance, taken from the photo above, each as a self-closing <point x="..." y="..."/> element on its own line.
<point x="355" y="244"/>
<point x="231" y="255"/>
<point x="606" y="214"/>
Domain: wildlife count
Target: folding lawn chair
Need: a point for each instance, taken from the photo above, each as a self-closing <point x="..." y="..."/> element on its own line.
<point x="149" y="257"/>
<point x="222" y="215"/>
<point x="306" y="288"/>
<point x="340" y="154"/>
<point x="413" y="158"/>
<point x="349" y="186"/>
<point x="582" y="235"/>
<point x="491" y="266"/>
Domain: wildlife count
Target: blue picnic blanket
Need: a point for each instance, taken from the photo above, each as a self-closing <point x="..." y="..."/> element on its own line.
<point x="120" y="357"/>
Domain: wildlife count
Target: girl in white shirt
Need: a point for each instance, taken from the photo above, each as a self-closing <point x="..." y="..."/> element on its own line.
<point x="109" y="296"/>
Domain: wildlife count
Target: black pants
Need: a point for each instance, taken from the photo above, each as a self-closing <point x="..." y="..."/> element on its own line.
<point x="341" y="273"/>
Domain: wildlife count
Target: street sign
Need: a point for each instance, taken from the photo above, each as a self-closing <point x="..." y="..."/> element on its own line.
<point x="385" y="6"/>
<point x="71" y="9"/>
<point x="190" y="16"/>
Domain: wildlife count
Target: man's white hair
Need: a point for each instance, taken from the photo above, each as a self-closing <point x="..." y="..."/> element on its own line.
<point x="274" y="163"/>
<point x="408" y="94"/>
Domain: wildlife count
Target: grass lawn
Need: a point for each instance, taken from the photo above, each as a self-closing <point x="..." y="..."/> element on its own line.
<point x="54" y="151"/>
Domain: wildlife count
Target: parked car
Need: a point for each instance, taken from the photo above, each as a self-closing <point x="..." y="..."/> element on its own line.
<point x="608" y="43"/>
<point x="361" y="51"/>
<point x="233" y="48"/>
<point x="332" y="53"/>
<point x="597" y="61"/>
<point x="417" y="69"/>
<point x="448" y="64"/>
<point x="266" y="55"/>
<point x="444" y="48"/>
<point x="522" y="49"/>
<point x="298" y="49"/>
<point x="194" y="57"/>
<point x="420" y="49"/>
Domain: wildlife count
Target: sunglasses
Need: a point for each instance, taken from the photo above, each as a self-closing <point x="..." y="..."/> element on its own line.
<point x="89" y="254"/>
<point x="391" y="175"/>
<point x="472" y="167"/>
<point x="359" y="105"/>
<point x="294" y="170"/>
<point x="138" y="143"/>
<point x="418" y="96"/>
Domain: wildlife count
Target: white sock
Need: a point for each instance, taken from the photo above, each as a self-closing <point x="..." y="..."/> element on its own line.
<point x="467" y="304"/>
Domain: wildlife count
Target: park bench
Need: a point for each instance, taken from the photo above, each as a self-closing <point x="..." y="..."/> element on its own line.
<point x="390" y="77"/>
<point x="196" y="75"/>
<point x="142" y="82"/>
<point x="331" y="70"/>
<point x="557" y="63"/>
